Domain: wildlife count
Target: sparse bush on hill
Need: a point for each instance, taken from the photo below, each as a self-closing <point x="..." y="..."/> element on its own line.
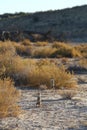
<point x="35" y="19"/>
<point x="9" y="97"/>
<point x="65" y="25"/>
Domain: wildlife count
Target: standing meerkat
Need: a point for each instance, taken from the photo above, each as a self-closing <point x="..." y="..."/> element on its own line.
<point x="38" y="103"/>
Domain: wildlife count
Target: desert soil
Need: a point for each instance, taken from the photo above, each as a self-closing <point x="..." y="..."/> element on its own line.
<point x="55" y="113"/>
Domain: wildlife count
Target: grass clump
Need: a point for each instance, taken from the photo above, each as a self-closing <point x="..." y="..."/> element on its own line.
<point x="83" y="63"/>
<point x="43" y="52"/>
<point x="83" y="49"/>
<point x="43" y="71"/>
<point x="44" y="43"/>
<point x="23" y="50"/>
<point x="65" y="50"/>
<point x="9" y="97"/>
<point x="7" y="55"/>
<point x="26" y="42"/>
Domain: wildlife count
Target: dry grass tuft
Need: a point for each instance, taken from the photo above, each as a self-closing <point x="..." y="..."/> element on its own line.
<point x="23" y="50"/>
<point x="83" y="63"/>
<point x="43" y="52"/>
<point x="65" y="50"/>
<point x="26" y="42"/>
<point x="9" y="97"/>
<point x="43" y="71"/>
<point x="83" y="49"/>
<point x="41" y="43"/>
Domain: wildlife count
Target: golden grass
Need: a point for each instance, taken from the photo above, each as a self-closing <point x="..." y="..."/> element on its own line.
<point x="43" y="71"/>
<point x="60" y="45"/>
<point x="83" y="49"/>
<point x="9" y="97"/>
<point x="31" y="72"/>
<point x="23" y="50"/>
<point x="44" y="43"/>
<point x="83" y="63"/>
<point x="65" y="50"/>
<point x="43" y="52"/>
<point x="26" y="42"/>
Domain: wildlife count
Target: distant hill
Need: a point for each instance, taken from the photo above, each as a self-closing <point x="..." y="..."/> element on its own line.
<point x="66" y="25"/>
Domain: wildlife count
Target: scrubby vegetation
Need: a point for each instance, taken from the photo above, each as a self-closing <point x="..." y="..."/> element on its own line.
<point x="16" y="65"/>
<point x="65" y="50"/>
<point x="26" y="42"/>
<point x="83" y="49"/>
<point x="41" y="43"/>
<point x="44" y="52"/>
<point x="49" y="50"/>
<point x="9" y="95"/>
<point x="83" y="63"/>
<point x="28" y="72"/>
<point x="8" y="98"/>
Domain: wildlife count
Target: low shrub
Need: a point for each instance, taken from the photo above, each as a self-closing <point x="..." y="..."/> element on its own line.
<point x="26" y="42"/>
<point x="23" y="50"/>
<point x="41" y="43"/>
<point x="9" y="97"/>
<point x="66" y="52"/>
<point x="7" y="55"/>
<point x="83" y="49"/>
<point x="83" y="63"/>
<point x="60" y="45"/>
<point x="43" y="71"/>
<point x="43" y="52"/>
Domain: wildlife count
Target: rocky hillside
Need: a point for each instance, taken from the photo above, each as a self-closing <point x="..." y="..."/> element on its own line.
<point x="65" y="25"/>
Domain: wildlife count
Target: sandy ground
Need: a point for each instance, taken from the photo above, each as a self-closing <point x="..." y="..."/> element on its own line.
<point x="55" y="113"/>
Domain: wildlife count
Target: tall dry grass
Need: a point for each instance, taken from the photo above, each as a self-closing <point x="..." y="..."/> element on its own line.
<point x="44" y="52"/>
<point x="42" y="71"/>
<point x="33" y="72"/>
<point x="9" y="97"/>
<point x="26" y="42"/>
<point x="65" y="50"/>
<point x="44" y="43"/>
<point x="83" y="63"/>
<point x="83" y="49"/>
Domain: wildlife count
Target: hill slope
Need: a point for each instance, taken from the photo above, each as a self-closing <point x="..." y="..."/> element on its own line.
<point x="65" y="25"/>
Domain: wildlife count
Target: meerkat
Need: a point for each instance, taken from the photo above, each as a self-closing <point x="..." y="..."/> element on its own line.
<point x="38" y="103"/>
